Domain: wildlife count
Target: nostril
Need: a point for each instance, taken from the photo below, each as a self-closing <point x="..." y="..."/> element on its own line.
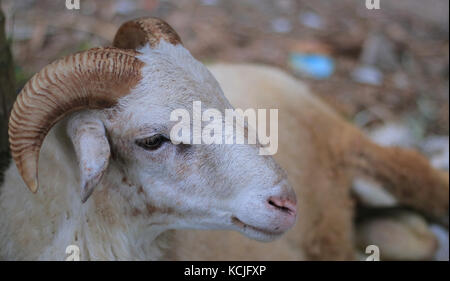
<point x="283" y="205"/>
<point x="282" y="208"/>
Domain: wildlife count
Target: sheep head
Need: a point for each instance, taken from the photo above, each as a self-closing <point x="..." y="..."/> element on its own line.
<point x="123" y="97"/>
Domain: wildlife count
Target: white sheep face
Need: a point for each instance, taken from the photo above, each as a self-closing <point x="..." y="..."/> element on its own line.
<point x="187" y="185"/>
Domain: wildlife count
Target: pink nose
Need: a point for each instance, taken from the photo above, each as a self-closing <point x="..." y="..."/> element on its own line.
<point x="287" y="207"/>
<point x="284" y="205"/>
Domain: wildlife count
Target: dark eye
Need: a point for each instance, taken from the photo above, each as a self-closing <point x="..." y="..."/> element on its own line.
<point x="152" y="143"/>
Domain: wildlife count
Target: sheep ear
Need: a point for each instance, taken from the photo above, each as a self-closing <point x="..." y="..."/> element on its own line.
<point x="92" y="149"/>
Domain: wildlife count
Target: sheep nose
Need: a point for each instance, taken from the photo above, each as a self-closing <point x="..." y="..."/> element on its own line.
<point x="283" y="206"/>
<point x="287" y="206"/>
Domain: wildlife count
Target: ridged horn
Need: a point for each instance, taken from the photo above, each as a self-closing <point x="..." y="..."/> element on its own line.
<point x="136" y="33"/>
<point x="91" y="79"/>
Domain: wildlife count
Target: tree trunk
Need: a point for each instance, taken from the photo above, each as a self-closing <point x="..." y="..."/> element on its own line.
<point x="7" y="91"/>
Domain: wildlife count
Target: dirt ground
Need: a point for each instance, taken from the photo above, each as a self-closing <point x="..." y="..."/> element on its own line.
<point x="413" y="55"/>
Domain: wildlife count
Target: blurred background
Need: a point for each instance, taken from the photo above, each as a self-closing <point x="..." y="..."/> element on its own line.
<point x="386" y="70"/>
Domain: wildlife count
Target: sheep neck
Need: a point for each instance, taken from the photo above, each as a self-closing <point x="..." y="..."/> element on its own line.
<point x="109" y="225"/>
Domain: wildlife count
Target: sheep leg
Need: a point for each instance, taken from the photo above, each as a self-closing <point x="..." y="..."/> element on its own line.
<point x="406" y="174"/>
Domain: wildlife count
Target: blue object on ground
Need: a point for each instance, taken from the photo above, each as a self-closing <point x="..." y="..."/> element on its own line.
<point x="367" y="74"/>
<point x="314" y="65"/>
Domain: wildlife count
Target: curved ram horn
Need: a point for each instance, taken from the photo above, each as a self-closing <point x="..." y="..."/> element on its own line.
<point x="91" y="79"/>
<point x="136" y="33"/>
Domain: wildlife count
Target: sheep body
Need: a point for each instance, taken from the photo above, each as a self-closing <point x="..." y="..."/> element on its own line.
<point x="322" y="154"/>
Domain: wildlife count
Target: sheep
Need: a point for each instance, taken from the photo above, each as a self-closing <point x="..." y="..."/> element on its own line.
<point x="213" y="188"/>
<point x="323" y="154"/>
<point x="105" y="112"/>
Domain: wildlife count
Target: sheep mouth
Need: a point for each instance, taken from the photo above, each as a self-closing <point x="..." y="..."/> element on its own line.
<point x="245" y="227"/>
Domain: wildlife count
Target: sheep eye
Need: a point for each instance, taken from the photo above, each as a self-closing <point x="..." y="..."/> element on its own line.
<point x="152" y="143"/>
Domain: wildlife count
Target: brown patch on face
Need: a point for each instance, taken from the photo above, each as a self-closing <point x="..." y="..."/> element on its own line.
<point x="135" y="212"/>
<point x="136" y="33"/>
<point x="150" y="208"/>
<point x="126" y="182"/>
